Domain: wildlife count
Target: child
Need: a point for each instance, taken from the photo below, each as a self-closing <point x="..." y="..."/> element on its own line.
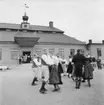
<point x="88" y="71"/>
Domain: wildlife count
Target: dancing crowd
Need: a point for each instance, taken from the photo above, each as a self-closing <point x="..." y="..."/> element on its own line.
<point x="50" y="68"/>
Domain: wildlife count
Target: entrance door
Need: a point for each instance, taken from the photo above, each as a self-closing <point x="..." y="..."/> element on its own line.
<point x="26" y="53"/>
<point x="26" y="56"/>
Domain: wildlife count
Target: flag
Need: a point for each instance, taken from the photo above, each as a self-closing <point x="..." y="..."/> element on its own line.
<point x="26" y="6"/>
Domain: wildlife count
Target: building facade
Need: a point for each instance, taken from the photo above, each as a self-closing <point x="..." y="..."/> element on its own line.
<point x="96" y="49"/>
<point x="24" y="38"/>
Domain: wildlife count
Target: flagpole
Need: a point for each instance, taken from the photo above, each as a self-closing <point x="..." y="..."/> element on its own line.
<point x="25" y="9"/>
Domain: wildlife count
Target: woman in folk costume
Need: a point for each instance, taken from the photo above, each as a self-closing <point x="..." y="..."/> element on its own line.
<point x="70" y="67"/>
<point x="46" y="62"/>
<point x="64" y="66"/>
<point x="54" y="76"/>
<point x="36" y="64"/>
<point x="88" y="71"/>
<point x="60" y="69"/>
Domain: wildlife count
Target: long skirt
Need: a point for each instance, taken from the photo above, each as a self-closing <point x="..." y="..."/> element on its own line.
<point x="88" y="73"/>
<point x="70" y="68"/>
<point x="60" y="71"/>
<point x="54" y="78"/>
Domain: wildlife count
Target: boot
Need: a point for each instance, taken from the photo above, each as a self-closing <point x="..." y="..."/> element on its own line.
<point x="45" y="89"/>
<point x="34" y="80"/>
<point x="68" y="75"/>
<point x="42" y="89"/>
<point x="58" y="88"/>
<point x="79" y="83"/>
<point x="55" y="88"/>
<point x="89" y="84"/>
<point x="76" y="81"/>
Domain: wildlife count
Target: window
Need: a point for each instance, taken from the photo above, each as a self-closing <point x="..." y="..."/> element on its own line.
<point x="51" y="50"/>
<point x="0" y="54"/>
<point x="14" y="54"/>
<point x="81" y="51"/>
<point x="61" y="52"/>
<point x="99" y="52"/>
<point x="72" y="52"/>
<point x="40" y="32"/>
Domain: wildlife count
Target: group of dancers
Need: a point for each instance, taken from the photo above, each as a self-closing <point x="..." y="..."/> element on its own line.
<point x="49" y="67"/>
<point x="80" y="69"/>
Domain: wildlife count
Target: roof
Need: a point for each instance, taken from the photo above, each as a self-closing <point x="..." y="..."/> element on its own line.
<point x="58" y="38"/>
<point x="32" y="27"/>
<point x="95" y="44"/>
<point x="44" y="37"/>
<point x="51" y="37"/>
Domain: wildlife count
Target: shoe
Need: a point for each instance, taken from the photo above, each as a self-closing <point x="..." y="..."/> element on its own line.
<point x="68" y="76"/>
<point x="54" y="90"/>
<point x="45" y="89"/>
<point x="60" y="82"/>
<point x="83" y="81"/>
<point x="77" y="87"/>
<point x="33" y="84"/>
<point x="89" y="84"/>
<point x="42" y="91"/>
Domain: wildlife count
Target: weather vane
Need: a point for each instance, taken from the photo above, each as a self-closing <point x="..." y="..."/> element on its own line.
<point x="26" y="7"/>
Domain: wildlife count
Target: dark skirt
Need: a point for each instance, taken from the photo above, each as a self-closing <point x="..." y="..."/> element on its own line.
<point x="60" y="71"/>
<point x="54" y="77"/>
<point x="88" y="72"/>
<point x="70" y="68"/>
<point x="60" y="68"/>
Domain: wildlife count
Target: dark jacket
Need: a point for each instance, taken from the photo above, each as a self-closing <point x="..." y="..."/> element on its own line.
<point x="79" y="59"/>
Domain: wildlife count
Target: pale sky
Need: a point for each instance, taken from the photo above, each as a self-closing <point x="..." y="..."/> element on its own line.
<point x="81" y="19"/>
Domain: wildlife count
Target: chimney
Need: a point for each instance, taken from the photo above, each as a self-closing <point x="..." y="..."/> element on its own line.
<point x="102" y="41"/>
<point x="51" y="24"/>
<point x="90" y="41"/>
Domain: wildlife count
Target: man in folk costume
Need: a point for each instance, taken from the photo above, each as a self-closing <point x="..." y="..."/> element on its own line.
<point x="36" y="64"/>
<point x="46" y="62"/>
<point x="78" y="61"/>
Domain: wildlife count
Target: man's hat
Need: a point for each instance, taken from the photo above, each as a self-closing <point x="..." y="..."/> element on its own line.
<point x="78" y="50"/>
<point x="35" y="55"/>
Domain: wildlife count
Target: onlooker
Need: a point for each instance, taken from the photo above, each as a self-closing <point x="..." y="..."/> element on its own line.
<point x="99" y="63"/>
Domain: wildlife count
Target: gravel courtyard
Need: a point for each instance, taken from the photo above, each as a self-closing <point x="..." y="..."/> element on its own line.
<point x="16" y="89"/>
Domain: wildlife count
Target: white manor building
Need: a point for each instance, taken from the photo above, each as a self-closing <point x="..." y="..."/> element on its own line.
<point x="21" y="39"/>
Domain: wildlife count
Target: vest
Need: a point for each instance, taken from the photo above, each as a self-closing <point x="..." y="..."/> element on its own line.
<point x="34" y="65"/>
<point x="43" y="62"/>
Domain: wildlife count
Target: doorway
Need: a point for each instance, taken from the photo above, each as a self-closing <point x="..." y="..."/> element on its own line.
<point x="26" y="53"/>
<point x="26" y="56"/>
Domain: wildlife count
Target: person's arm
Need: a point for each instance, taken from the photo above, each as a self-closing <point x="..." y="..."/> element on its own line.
<point x="45" y="58"/>
<point x="73" y="60"/>
<point x="36" y="62"/>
